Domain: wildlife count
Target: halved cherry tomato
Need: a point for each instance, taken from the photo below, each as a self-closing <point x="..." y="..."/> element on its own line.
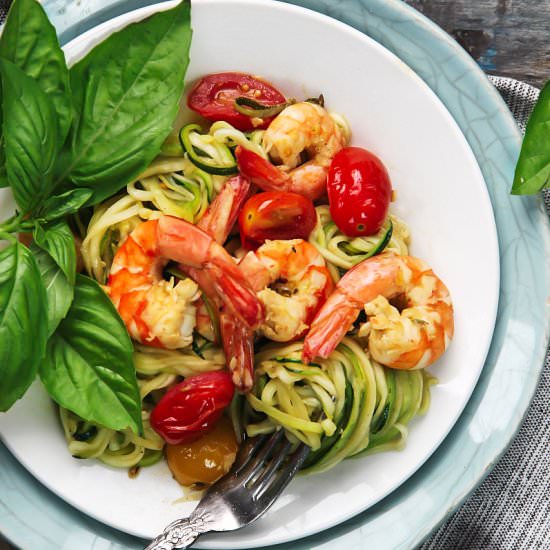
<point x="186" y="411"/>
<point x="359" y="191"/>
<point x="275" y="215"/>
<point x="213" y="97"/>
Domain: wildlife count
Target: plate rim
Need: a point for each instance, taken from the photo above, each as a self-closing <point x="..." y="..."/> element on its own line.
<point x="542" y="223"/>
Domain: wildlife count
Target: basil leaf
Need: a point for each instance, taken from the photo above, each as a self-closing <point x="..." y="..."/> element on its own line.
<point x="30" y="134"/>
<point x="126" y="92"/>
<point x="58" y="241"/>
<point x="533" y="167"/>
<point x="29" y="41"/>
<point x="88" y="367"/>
<point x="23" y="322"/>
<point x="3" y="174"/>
<point x="67" y="203"/>
<point x="59" y="291"/>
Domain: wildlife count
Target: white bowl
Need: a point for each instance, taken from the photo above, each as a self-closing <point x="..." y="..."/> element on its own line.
<point x="438" y="183"/>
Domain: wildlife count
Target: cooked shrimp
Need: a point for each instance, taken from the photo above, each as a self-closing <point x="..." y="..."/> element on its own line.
<point x="411" y="339"/>
<point x="159" y="312"/>
<point x="219" y="219"/>
<point x="191" y="247"/>
<point x="300" y="129"/>
<point x="237" y="337"/>
<point x="292" y="281"/>
<point x="156" y="312"/>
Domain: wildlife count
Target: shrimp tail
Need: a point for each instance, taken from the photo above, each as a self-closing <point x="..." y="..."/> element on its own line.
<point x="240" y="299"/>
<point x="230" y="290"/>
<point x="260" y="171"/>
<point x="238" y="345"/>
<point x="187" y="244"/>
<point x="329" y="327"/>
<point x="219" y="219"/>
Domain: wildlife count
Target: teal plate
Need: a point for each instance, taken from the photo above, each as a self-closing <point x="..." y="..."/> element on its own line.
<point x="33" y="517"/>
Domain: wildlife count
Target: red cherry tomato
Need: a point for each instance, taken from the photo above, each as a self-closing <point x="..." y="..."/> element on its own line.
<point x="359" y="191"/>
<point x="213" y="98"/>
<point x="187" y="410"/>
<point x="275" y="215"/>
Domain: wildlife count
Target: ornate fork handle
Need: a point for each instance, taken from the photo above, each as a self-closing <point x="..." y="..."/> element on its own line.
<point x="180" y="533"/>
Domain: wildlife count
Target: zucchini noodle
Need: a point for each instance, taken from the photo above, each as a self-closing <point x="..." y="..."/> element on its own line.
<point x="343" y="124"/>
<point x="343" y="252"/>
<point x="172" y="186"/>
<point x="121" y="449"/>
<point x="213" y="151"/>
<point x="150" y="361"/>
<point x="224" y="133"/>
<point x="109" y="226"/>
<point x="344" y="406"/>
<point x="174" y="194"/>
<point x="157" y="369"/>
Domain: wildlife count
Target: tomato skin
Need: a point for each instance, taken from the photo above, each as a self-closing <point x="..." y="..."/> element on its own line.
<point x="205" y="460"/>
<point x="188" y="409"/>
<point x="275" y="215"/>
<point x="213" y="97"/>
<point x="359" y="191"/>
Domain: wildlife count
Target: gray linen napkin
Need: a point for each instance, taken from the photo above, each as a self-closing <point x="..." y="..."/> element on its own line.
<point x="511" y="508"/>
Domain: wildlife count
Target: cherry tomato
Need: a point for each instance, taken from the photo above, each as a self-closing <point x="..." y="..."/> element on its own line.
<point x="206" y="460"/>
<point x="187" y="410"/>
<point x="275" y="215"/>
<point x="213" y="97"/>
<point x="359" y="191"/>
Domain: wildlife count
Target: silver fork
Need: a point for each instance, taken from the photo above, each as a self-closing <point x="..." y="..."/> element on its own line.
<point x="263" y="468"/>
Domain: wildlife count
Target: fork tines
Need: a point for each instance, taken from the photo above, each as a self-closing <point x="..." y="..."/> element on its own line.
<point x="266" y="467"/>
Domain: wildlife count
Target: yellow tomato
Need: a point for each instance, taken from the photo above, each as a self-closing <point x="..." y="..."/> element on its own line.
<point x="205" y="460"/>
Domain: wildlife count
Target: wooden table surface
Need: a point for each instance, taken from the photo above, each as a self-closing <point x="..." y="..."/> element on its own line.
<point x="506" y="37"/>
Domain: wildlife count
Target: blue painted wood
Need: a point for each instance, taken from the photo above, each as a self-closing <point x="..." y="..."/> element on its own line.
<point x="506" y="37"/>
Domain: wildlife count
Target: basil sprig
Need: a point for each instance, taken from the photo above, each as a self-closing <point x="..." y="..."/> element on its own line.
<point x="70" y="139"/>
<point x="533" y="167"/>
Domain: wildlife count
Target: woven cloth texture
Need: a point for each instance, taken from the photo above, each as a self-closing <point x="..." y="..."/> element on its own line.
<point x="511" y="509"/>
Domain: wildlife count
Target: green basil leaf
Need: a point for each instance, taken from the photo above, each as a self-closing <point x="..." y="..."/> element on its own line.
<point x="126" y="92"/>
<point x="533" y="167"/>
<point x="29" y="41"/>
<point x="3" y="174"/>
<point x="67" y="203"/>
<point x="23" y="322"/>
<point x="30" y="134"/>
<point x="58" y="241"/>
<point x="59" y="291"/>
<point x="88" y="367"/>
